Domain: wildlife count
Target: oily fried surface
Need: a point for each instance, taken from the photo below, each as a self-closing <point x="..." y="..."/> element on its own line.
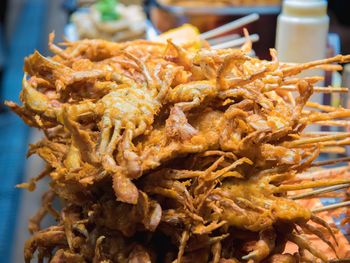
<point x="161" y="153"/>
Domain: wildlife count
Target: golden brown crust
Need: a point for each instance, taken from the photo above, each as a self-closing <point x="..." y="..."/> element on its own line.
<point x="175" y="154"/>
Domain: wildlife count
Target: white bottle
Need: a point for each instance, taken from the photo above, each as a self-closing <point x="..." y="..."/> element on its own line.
<point x="302" y="30"/>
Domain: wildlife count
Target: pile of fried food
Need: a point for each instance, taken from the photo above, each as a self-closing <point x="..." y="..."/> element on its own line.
<point x="160" y="153"/>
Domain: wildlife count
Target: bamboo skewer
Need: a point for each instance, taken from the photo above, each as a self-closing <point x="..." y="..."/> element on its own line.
<point x="321" y="174"/>
<point x="311" y="80"/>
<point x="325" y="117"/>
<point x="319" y="191"/>
<point x="229" y="26"/>
<point x="330" y="162"/>
<point x="326" y="67"/>
<point x="322" y="133"/>
<point x="331" y="207"/>
<point x="335" y="150"/>
<point x="343" y="142"/>
<point x="321" y="107"/>
<point x="311" y="184"/>
<point x="333" y="123"/>
<point x="316" y="140"/>
<point x="236" y="42"/>
<point x="316" y="89"/>
<point x="218" y="40"/>
<point x="293" y="70"/>
<point x="324" y="144"/>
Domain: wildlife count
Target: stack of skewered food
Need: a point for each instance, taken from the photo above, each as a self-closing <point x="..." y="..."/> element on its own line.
<point x="161" y="153"/>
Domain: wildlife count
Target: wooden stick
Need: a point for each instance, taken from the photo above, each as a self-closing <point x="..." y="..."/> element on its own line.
<point x="311" y="80"/>
<point x="330" y="143"/>
<point x="230" y="26"/>
<point x="333" y="123"/>
<point x="322" y="133"/>
<point x="327" y="148"/>
<point x="322" y="174"/>
<point x="219" y="40"/>
<point x="326" y="67"/>
<point x="326" y="108"/>
<point x="335" y="149"/>
<point x="312" y="184"/>
<point x="330" y="207"/>
<point x="316" y="117"/>
<point x="315" y="140"/>
<point x="330" y="67"/>
<point x="330" y="162"/>
<point x="343" y="142"/>
<point x="316" y="89"/>
<point x="319" y="191"/>
<point x="236" y="42"/>
<point x="331" y="89"/>
<point x="294" y="70"/>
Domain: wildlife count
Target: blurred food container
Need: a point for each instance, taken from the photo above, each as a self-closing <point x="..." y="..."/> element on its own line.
<point x="206" y="15"/>
<point x="130" y="25"/>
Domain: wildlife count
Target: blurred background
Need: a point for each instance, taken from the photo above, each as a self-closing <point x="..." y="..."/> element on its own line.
<point x="24" y="27"/>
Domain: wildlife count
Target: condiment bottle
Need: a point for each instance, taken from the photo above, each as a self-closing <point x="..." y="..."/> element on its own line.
<point x="302" y="30"/>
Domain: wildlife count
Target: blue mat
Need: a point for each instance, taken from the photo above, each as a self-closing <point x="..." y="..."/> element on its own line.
<point x="13" y="140"/>
<point x="27" y="37"/>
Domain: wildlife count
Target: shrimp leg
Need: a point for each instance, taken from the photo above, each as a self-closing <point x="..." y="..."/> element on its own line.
<point x="177" y="125"/>
<point x="303" y="243"/>
<point x="123" y="187"/>
<point x="263" y="247"/>
<point x="105" y="133"/>
<point x="108" y="160"/>
<point x="319" y="234"/>
<point x="127" y="156"/>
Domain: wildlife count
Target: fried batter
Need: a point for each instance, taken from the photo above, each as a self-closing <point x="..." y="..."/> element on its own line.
<point x="166" y="153"/>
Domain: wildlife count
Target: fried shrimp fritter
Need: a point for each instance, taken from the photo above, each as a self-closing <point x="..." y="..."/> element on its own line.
<point x="164" y="153"/>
